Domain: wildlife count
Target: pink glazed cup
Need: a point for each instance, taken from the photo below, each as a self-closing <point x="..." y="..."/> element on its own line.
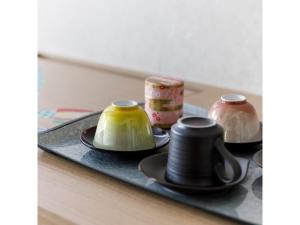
<point x="238" y="118"/>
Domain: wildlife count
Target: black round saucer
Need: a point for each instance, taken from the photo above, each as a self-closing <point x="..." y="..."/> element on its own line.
<point x="155" y="167"/>
<point x="161" y="139"/>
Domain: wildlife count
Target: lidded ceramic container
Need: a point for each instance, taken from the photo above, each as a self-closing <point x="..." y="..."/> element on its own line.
<point x="238" y="118"/>
<point x="163" y="100"/>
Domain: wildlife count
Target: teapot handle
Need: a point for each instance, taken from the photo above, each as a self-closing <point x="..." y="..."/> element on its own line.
<point x="227" y="156"/>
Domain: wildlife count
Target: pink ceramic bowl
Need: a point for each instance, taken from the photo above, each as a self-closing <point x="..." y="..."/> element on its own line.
<point x="238" y="118"/>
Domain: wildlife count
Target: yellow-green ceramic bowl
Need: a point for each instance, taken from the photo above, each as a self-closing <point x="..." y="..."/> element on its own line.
<point x="124" y="126"/>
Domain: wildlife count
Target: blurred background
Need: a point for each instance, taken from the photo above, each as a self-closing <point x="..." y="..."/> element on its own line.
<point x="207" y="41"/>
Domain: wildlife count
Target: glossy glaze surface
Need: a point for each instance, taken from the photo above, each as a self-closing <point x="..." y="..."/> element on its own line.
<point x="124" y="126"/>
<point x="238" y="118"/>
<point x="161" y="138"/>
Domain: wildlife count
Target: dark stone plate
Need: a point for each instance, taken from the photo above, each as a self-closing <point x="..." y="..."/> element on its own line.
<point x="161" y="138"/>
<point x="242" y="202"/>
<point x="155" y="167"/>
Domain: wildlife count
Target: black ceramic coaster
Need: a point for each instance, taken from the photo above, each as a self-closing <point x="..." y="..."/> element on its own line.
<point x="161" y="139"/>
<point x="155" y="167"/>
<point x="258" y="158"/>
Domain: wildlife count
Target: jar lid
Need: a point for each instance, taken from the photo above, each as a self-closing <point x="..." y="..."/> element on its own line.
<point x="165" y="81"/>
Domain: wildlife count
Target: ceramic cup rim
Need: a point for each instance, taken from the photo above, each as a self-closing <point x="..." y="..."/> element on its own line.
<point x="124" y="104"/>
<point x="182" y="122"/>
<point x="233" y="98"/>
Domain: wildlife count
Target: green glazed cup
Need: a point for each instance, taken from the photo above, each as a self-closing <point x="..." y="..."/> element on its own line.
<point x="124" y="126"/>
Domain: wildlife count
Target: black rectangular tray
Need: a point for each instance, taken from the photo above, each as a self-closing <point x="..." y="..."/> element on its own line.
<point x="242" y="203"/>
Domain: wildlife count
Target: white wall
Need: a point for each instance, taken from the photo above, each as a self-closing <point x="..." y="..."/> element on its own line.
<point x="210" y="41"/>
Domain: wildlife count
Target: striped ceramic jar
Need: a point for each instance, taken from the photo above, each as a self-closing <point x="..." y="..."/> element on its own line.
<point x="163" y="100"/>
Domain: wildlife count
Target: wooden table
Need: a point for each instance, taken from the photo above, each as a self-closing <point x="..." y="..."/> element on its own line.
<point x="71" y="194"/>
